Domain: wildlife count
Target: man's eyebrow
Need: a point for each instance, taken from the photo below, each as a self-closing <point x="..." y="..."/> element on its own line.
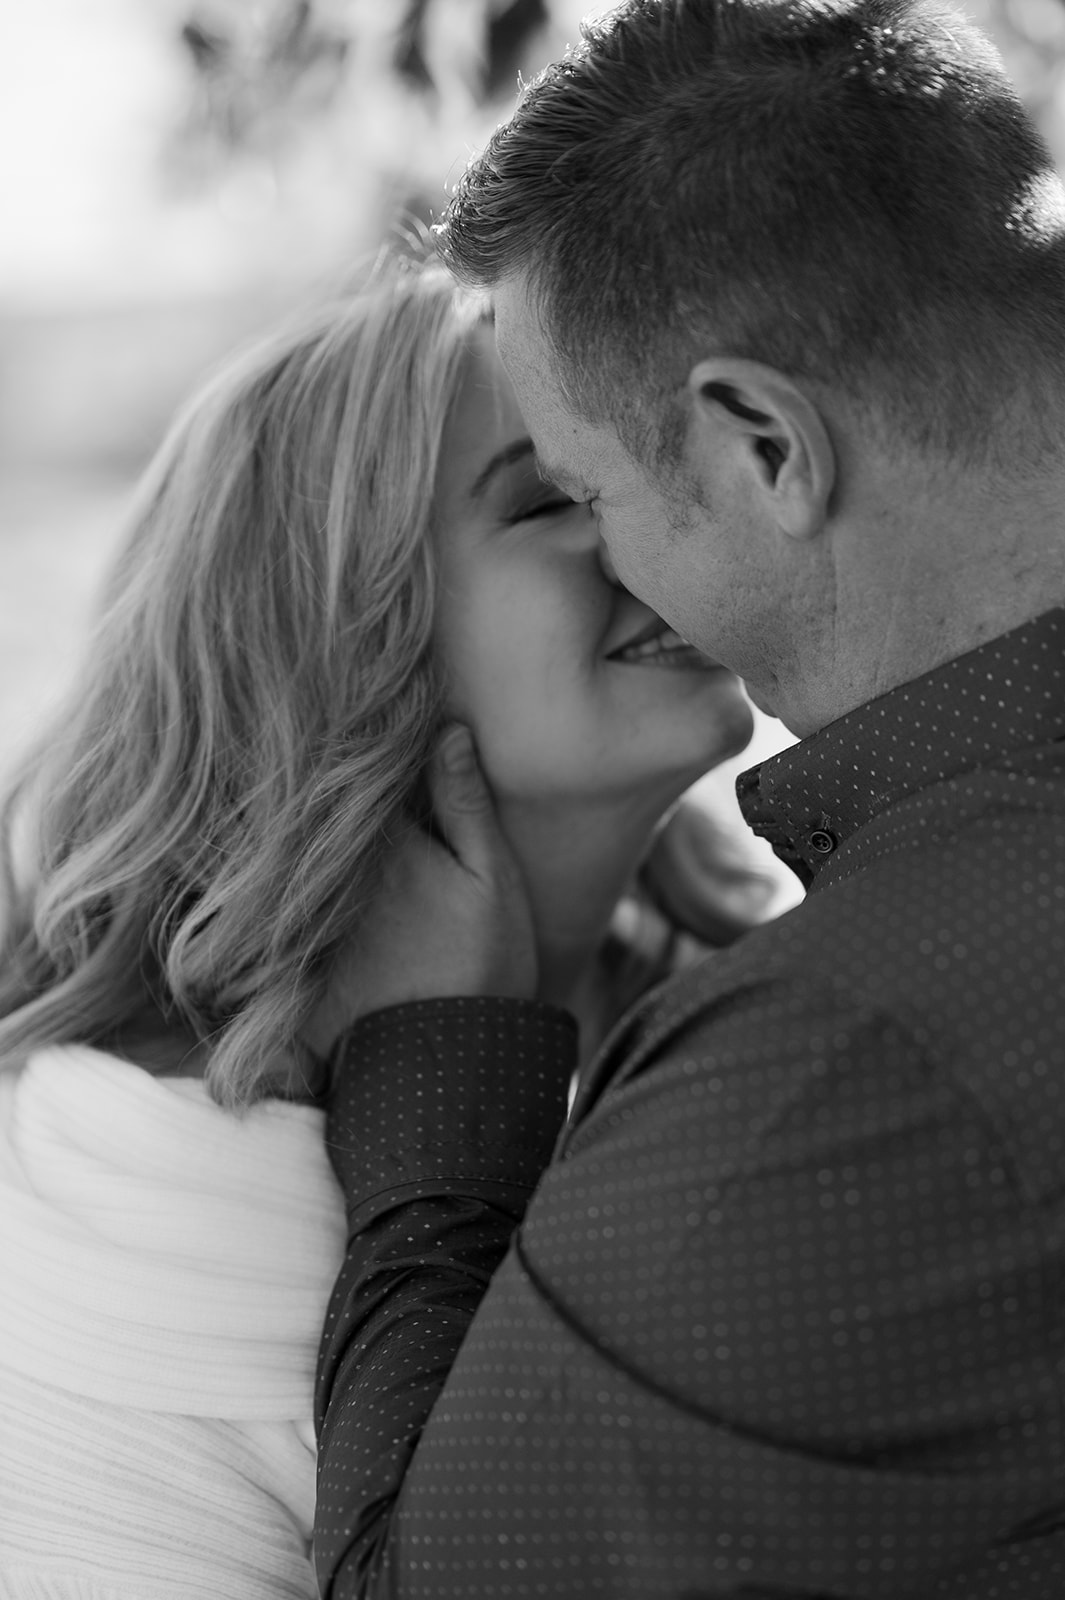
<point x="517" y="450"/>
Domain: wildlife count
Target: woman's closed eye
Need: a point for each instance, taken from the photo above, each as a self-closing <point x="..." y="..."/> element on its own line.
<point x="545" y="504"/>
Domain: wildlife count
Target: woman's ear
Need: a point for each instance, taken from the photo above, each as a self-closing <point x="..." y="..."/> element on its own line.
<point x="780" y="433"/>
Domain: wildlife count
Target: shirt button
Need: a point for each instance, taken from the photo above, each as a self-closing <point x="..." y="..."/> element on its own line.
<point x="822" y="841"/>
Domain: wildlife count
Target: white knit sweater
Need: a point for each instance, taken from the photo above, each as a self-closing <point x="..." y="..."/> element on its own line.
<point x="164" y="1272"/>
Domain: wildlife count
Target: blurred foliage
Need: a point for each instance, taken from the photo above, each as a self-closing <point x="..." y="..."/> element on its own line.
<point x="260" y="67"/>
<point x="262" y="70"/>
<point x="260" y="74"/>
<point x="1031" y="37"/>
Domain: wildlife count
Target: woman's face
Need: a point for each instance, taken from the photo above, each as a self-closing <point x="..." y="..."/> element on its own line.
<point x="574" y="689"/>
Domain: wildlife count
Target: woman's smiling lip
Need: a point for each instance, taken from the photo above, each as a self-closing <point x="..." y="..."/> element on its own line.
<point x="657" y="641"/>
<point x="651" y="629"/>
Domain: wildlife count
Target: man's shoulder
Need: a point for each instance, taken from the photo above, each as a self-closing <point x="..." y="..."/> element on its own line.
<point x="951" y="889"/>
<point x="936" y="952"/>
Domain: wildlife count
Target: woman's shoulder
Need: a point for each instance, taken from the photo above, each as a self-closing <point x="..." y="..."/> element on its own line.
<point x="192" y="1248"/>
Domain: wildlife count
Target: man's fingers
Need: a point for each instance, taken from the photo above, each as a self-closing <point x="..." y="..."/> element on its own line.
<point x="462" y="804"/>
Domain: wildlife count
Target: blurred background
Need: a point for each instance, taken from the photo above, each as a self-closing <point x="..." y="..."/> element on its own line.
<point x="176" y="174"/>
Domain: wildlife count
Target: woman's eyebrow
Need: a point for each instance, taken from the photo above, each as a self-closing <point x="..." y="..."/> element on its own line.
<point x="517" y="450"/>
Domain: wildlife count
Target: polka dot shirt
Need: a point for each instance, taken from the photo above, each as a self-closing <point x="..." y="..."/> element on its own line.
<point x="786" y="1313"/>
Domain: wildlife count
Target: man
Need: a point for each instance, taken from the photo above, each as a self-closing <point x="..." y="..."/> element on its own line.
<point x="781" y="287"/>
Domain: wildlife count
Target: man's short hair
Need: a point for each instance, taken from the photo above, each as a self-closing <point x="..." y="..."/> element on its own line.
<point x="848" y="190"/>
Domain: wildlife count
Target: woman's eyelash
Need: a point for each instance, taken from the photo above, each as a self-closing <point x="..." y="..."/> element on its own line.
<point x="542" y="508"/>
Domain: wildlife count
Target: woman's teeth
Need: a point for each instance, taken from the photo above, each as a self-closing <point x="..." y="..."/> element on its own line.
<point x="662" y="645"/>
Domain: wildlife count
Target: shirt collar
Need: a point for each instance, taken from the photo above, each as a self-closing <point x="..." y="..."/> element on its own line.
<point x="1003" y="695"/>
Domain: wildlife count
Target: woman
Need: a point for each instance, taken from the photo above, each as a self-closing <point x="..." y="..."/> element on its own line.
<point x="343" y="540"/>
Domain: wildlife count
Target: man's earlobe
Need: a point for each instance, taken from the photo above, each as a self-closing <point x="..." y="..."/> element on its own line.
<point x="783" y="433"/>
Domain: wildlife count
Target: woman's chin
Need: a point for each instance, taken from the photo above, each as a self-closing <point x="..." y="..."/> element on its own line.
<point x="668" y="777"/>
<point x="658" y="753"/>
<point x="719" y="727"/>
<point x="736" y="733"/>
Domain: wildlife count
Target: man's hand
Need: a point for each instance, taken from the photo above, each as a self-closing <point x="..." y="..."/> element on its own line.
<point x="451" y="917"/>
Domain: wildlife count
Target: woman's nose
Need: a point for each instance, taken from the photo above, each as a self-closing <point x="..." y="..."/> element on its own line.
<point x="606" y="561"/>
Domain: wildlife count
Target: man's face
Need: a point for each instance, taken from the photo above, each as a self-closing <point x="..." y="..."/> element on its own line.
<point x="685" y="545"/>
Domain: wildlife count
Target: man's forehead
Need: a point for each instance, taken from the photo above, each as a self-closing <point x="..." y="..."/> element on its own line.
<point x="527" y="359"/>
<point x="519" y="340"/>
<point x="525" y="347"/>
<point x="512" y="307"/>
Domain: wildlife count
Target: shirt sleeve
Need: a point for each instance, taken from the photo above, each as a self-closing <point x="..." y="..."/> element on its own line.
<point x="444" y="1115"/>
<point x="778" y="1321"/>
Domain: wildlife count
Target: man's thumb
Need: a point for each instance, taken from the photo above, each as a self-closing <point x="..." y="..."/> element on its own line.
<point x="459" y="789"/>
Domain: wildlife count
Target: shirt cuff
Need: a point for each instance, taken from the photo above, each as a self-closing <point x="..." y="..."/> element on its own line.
<point x="438" y="1091"/>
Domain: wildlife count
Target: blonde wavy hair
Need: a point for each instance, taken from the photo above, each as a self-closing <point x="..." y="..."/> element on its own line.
<point x="199" y="829"/>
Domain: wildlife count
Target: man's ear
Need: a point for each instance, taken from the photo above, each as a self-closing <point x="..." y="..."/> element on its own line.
<point x="780" y="431"/>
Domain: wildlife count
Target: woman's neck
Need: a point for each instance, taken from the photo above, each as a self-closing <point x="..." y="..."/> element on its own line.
<point x="576" y="862"/>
